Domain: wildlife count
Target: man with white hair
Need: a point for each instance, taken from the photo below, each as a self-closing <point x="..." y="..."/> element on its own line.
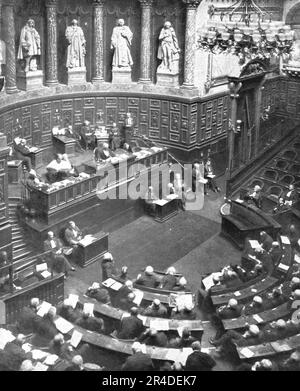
<point x="26" y="366"/>
<point x="59" y="262"/>
<point x="149" y="279"/>
<point x="181" y="285"/>
<point x="187" y="312"/>
<point x="254" y="196"/>
<point x="28" y="319"/>
<point x="266" y="241"/>
<point x="102" y="153"/>
<point x="254" y="307"/>
<point x="73" y="234"/>
<point x="88" y="322"/>
<point x="169" y="280"/>
<point x="99" y="293"/>
<point x="232" y="310"/>
<point x="108" y="267"/>
<point x="138" y="361"/>
<point x="156" y="309"/>
<point x="154" y="337"/>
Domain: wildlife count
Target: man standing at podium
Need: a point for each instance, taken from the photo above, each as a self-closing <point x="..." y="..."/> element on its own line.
<point x="73" y="234"/>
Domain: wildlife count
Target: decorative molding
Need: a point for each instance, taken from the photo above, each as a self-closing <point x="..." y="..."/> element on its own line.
<point x="192" y="4"/>
<point x="146" y="3"/>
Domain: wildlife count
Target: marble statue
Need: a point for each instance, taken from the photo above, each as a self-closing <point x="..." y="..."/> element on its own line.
<point x="30" y="46"/>
<point x="121" y="42"/>
<point x="77" y="46"/>
<point x="168" y="50"/>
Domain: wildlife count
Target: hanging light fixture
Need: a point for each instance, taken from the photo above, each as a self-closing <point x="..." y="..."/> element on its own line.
<point x="246" y="30"/>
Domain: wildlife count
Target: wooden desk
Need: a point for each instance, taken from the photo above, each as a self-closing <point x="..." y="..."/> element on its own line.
<point x="36" y="158"/>
<point x="14" y="171"/>
<point x="247" y="293"/>
<point x="63" y="144"/>
<point x="94" y="251"/>
<point x="166" y="209"/>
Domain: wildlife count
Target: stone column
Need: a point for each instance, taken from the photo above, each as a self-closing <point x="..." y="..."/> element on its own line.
<point x="190" y="38"/>
<point x="146" y="6"/>
<point x="9" y="38"/>
<point x="51" y="48"/>
<point x="98" y="60"/>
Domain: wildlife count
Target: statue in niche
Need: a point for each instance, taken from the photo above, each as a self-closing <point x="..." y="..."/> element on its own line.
<point x="168" y="50"/>
<point x="294" y="58"/>
<point x="77" y="46"/>
<point x="121" y="42"/>
<point x="30" y="46"/>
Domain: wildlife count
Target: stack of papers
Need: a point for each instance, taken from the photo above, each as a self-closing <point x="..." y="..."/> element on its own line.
<point x="254" y="244"/>
<point x="283" y="267"/>
<point x="42" y="267"/>
<point x="39" y="354"/>
<point x="246" y="352"/>
<point x="51" y="359"/>
<point x="184" y="300"/>
<point x="63" y="325"/>
<point x="285" y="240"/>
<point x="76" y="338"/>
<point x="159" y="325"/>
<point x="89" y="308"/>
<point x="138" y="296"/>
<point x="46" y="274"/>
<point x="73" y="299"/>
<point x="87" y="240"/>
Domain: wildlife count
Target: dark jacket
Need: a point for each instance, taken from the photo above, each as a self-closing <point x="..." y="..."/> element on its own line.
<point x="168" y="282"/>
<point x="160" y="339"/>
<point x="91" y="323"/>
<point x="151" y="281"/>
<point x="131" y="327"/>
<point x="198" y="361"/>
<point x="138" y="362"/>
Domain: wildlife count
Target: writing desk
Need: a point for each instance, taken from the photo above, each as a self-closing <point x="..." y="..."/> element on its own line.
<point x="166" y="208"/>
<point x="63" y="144"/>
<point x="89" y="253"/>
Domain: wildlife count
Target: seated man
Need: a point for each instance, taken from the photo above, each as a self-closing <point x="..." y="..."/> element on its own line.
<point x="59" y="262"/>
<point x="59" y="169"/>
<point x="148" y="279"/>
<point x="28" y="319"/>
<point x="22" y="151"/>
<point x="182" y="285"/>
<point x="232" y="310"/>
<point x="294" y="237"/>
<point x="99" y="293"/>
<point x="114" y="138"/>
<point x="156" y="309"/>
<point x="108" y="267"/>
<point x="127" y="302"/>
<point x="131" y="326"/>
<point x="187" y="312"/>
<point x="154" y="338"/>
<point x="73" y="234"/>
<point x="281" y="206"/>
<point x="291" y="196"/>
<point x="65" y="310"/>
<point x="33" y="180"/>
<point x="102" y="153"/>
<point x="184" y="341"/>
<point x="256" y="306"/>
<point x="87" y="136"/>
<point x="46" y="327"/>
<point x="266" y="241"/>
<point x="14" y="353"/>
<point x="169" y="281"/>
<point x="88" y="322"/>
<point x="254" y="196"/>
<point x="4" y="273"/>
<point x="210" y="176"/>
<point x="199" y="361"/>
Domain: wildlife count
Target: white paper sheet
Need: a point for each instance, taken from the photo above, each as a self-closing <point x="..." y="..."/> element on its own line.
<point x="116" y="286"/>
<point x="46" y="274"/>
<point x="42" y="267"/>
<point x="26" y="347"/>
<point x="283" y="267"/>
<point x="285" y="240"/>
<point x="246" y="352"/>
<point x="160" y="325"/>
<point x="51" y="359"/>
<point x="73" y="299"/>
<point x="237" y="293"/>
<point x="258" y="318"/>
<point x="109" y="282"/>
<point x="89" y="308"/>
<point x="138" y="296"/>
<point x="40" y="367"/>
<point x="63" y="325"/>
<point x="76" y="338"/>
<point x="5" y="337"/>
<point x="44" y="308"/>
<point x="39" y="354"/>
<point x="254" y="244"/>
<point x="173" y="355"/>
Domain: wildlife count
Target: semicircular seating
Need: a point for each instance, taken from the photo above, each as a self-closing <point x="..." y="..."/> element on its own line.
<point x="270" y="174"/>
<point x="282" y="164"/>
<point x="296" y="145"/>
<point x="287" y="180"/>
<point x="295" y="169"/>
<point x="289" y="154"/>
<point x="274" y="191"/>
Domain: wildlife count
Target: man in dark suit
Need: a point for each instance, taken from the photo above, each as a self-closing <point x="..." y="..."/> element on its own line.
<point x="256" y="306"/>
<point x="169" y="281"/>
<point x="59" y="261"/>
<point x="148" y="279"/>
<point x="108" y="267"/>
<point x="187" y="312"/>
<point x="156" y="309"/>
<point x="185" y="341"/>
<point x="126" y="303"/>
<point x="138" y="361"/>
<point x="73" y="234"/>
<point x="66" y="311"/>
<point x="22" y="151"/>
<point x="99" y="293"/>
<point x="87" y="135"/>
<point x="265" y="241"/>
<point x="232" y="310"/>
<point x="91" y="323"/>
<point x="102" y="153"/>
<point x="28" y="319"/>
<point x="154" y="338"/>
<point x="46" y="327"/>
<point x="131" y="327"/>
<point x="198" y="361"/>
<point x="275" y="253"/>
<point x="15" y="355"/>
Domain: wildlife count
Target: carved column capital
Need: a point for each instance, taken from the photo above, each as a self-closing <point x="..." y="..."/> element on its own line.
<point x="146" y="3"/>
<point x="192" y="4"/>
<point x="98" y="3"/>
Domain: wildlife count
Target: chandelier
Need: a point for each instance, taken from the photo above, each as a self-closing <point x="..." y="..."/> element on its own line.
<point x="246" y="30"/>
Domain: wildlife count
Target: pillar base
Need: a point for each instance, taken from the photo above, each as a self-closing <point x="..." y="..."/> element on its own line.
<point x="28" y="81"/>
<point x="121" y="75"/>
<point x="97" y="80"/>
<point x="190" y="88"/>
<point x="167" y="78"/>
<point x="76" y="76"/>
<point x="145" y="81"/>
<point x="12" y="90"/>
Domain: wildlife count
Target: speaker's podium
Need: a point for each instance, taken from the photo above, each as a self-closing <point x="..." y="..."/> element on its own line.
<point x="166" y="208"/>
<point x="91" y="248"/>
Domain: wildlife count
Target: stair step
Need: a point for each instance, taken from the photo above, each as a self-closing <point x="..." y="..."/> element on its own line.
<point x="18" y="236"/>
<point x="19" y="246"/>
<point x="16" y="231"/>
<point x="20" y="254"/>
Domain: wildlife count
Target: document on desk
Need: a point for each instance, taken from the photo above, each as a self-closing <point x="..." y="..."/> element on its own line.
<point x="26" y="347"/>
<point x="44" y="308"/>
<point x="138" y="296"/>
<point x="283" y="267"/>
<point x="246" y="352"/>
<point x="46" y="274"/>
<point x="160" y="325"/>
<point x="182" y="301"/>
<point x="89" y="308"/>
<point x="63" y="325"/>
<point x="180" y="330"/>
<point x="211" y="176"/>
<point x="285" y="240"/>
<point x="257" y="318"/>
<point x="76" y="338"/>
<point x="51" y="359"/>
<point x="116" y="286"/>
<point x="208" y="281"/>
<point x="160" y="202"/>
<point x="39" y="354"/>
<point x="254" y="244"/>
<point x="73" y="299"/>
<point x="42" y="267"/>
<point x="172" y="196"/>
<point x="87" y="240"/>
<point x="109" y="282"/>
